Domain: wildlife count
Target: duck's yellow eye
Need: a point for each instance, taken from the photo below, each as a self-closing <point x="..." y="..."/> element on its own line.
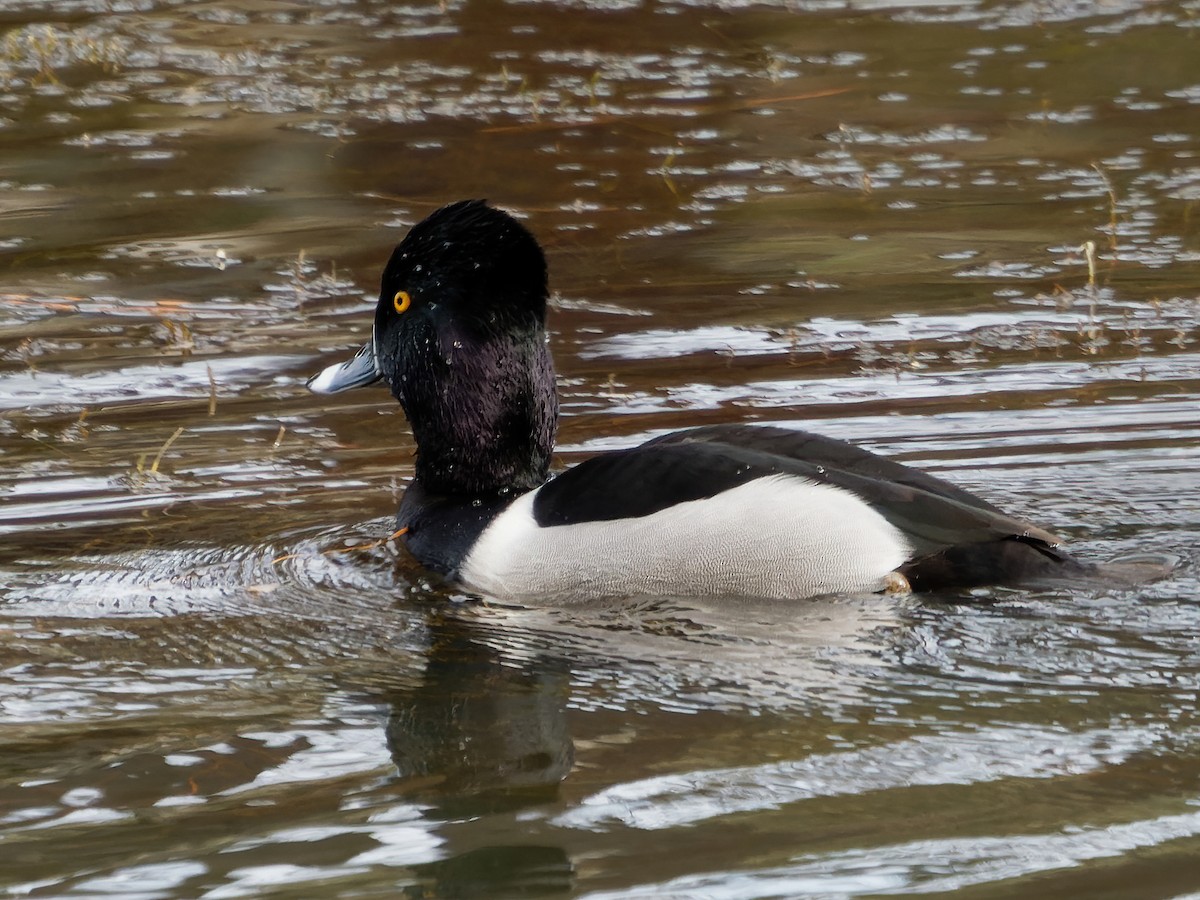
<point x="401" y="301"/>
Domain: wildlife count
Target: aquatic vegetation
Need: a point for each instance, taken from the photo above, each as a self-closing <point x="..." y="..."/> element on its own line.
<point x="45" y="52"/>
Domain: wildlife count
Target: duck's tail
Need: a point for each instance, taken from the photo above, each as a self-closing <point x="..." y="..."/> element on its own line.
<point x="1020" y="561"/>
<point x="1137" y="568"/>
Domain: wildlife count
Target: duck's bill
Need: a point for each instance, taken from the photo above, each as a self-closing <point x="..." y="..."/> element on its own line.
<point x="357" y="371"/>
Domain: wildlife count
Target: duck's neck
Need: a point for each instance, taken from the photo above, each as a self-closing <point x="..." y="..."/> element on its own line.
<point x="483" y="411"/>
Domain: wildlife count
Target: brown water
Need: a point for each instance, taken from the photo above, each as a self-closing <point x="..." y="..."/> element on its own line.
<point x="861" y="218"/>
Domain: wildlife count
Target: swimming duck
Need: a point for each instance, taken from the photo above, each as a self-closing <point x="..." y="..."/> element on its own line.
<point x="722" y="510"/>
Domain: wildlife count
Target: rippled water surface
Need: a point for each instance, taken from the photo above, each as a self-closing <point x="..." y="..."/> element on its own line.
<point x="871" y="219"/>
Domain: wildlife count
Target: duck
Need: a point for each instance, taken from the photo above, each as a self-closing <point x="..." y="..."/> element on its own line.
<point x="729" y="511"/>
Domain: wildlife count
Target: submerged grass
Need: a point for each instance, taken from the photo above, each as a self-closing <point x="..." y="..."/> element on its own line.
<point x="47" y="51"/>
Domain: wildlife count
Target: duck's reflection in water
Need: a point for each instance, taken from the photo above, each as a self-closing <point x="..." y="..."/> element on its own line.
<point x="484" y="738"/>
<point x="484" y="735"/>
<point x="510" y="871"/>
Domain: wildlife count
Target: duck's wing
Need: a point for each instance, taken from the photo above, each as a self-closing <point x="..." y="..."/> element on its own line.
<point x="698" y="464"/>
<point x="804" y="446"/>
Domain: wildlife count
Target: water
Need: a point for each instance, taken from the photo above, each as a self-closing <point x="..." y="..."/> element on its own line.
<point x="217" y="677"/>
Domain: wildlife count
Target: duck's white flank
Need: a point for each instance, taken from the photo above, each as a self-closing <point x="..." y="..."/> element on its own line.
<point x="777" y="537"/>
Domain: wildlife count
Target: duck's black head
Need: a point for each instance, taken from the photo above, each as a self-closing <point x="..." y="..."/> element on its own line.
<point x="460" y="338"/>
